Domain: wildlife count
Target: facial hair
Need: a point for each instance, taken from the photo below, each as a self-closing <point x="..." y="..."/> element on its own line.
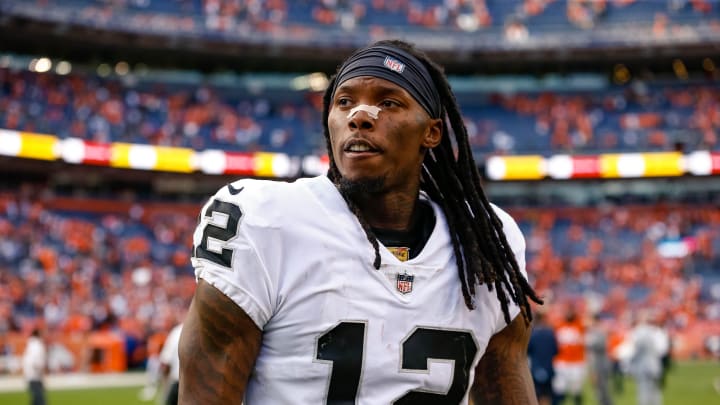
<point x="361" y="186"/>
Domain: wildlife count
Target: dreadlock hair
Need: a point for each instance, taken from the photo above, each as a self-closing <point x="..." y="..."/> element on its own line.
<point x="481" y="249"/>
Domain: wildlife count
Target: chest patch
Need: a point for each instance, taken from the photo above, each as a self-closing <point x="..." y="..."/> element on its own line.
<point x="404" y="283"/>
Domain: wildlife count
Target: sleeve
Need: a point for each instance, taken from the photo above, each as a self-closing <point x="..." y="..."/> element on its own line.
<point x="224" y="252"/>
<point x="517" y="242"/>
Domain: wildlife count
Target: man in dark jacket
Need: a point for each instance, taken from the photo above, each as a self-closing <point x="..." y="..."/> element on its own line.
<point x="541" y="350"/>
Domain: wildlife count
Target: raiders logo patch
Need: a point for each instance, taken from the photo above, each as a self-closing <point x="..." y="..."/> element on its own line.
<point x="402" y="253"/>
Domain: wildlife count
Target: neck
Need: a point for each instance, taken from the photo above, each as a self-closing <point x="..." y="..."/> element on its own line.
<point x="391" y="210"/>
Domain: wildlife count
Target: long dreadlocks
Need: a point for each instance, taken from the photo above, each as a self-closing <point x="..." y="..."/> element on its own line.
<point x="482" y="251"/>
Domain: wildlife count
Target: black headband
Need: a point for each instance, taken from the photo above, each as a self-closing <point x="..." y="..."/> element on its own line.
<point x="397" y="66"/>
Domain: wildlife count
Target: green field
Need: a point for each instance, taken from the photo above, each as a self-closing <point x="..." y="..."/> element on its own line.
<point x="688" y="384"/>
<point x="95" y="396"/>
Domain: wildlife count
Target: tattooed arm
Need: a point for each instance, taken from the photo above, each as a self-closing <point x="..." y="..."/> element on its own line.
<point x="502" y="377"/>
<point x="218" y="348"/>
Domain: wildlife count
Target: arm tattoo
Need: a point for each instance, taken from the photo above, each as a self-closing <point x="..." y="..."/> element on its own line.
<point x="218" y="348"/>
<point x="502" y="376"/>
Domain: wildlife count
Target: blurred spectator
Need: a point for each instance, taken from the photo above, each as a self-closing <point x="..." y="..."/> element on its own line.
<point x="585" y="13"/>
<point x="153" y="372"/>
<point x="649" y="344"/>
<point x="617" y="374"/>
<point x="570" y="363"/>
<point x="712" y="344"/>
<point x="516" y="32"/>
<point x="599" y="364"/>
<point x="170" y="364"/>
<point x="59" y="357"/>
<point x="660" y="25"/>
<point x="34" y="367"/>
<point x="542" y="350"/>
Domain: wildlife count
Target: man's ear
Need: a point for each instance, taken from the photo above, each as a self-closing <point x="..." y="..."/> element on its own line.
<point x="433" y="136"/>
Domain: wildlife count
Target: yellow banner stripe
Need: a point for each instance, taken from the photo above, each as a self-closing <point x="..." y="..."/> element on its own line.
<point x="174" y="159"/>
<point x="264" y="164"/>
<point x="37" y="146"/>
<point x="120" y="155"/>
<point x="530" y="167"/>
<point x="664" y="164"/>
<point x="609" y="165"/>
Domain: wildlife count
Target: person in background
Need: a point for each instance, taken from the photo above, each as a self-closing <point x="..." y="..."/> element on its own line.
<point x="570" y="367"/>
<point x="649" y="343"/>
<point x="616" y="339"/>
<point x="170" y="364"/>
<point x="667" y="360"/>
<point x="599" y="363"/>
<point x="34" y="366"/>
<point x="152" y="367"/>
<point x="542" y="349"/>
<point x="712" y="344"/>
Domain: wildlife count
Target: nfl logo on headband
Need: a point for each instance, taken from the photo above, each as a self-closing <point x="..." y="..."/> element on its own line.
<point x="394" y="64"/>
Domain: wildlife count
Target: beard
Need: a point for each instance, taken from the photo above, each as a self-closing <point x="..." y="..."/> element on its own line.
<point x="362" y="186"/>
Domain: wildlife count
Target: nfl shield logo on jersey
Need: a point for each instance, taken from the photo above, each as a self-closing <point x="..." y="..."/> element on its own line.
<point x="404" y="283"/>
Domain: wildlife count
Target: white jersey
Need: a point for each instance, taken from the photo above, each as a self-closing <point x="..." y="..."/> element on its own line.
<point x="335" y="329"/>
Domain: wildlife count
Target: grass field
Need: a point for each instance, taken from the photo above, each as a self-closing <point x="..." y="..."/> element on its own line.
<point x="688" y="384"/>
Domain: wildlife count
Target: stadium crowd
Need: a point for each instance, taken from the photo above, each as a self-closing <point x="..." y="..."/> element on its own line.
<point x="78" y="267"/>
<point x="635" y="117"/>
<point x="104" y="110"/>
<point x="78" y="274"/>
<point x="223" y="16"/>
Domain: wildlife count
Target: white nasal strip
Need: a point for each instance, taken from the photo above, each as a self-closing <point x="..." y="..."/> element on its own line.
<point x="370" y="109"/>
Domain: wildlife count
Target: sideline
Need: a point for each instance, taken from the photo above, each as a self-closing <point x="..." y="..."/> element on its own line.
<point x="77" y="381"/>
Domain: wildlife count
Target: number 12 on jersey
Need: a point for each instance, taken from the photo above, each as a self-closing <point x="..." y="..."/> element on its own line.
<point x="343" y="346"/>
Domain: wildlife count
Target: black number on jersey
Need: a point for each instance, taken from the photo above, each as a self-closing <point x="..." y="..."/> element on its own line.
<point x="424" y="344"/>
<point x="221" y="232"/>
<point x="344" y="344"/>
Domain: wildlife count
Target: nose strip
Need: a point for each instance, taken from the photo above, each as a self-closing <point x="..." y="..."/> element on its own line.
<point x="370" y="109"/>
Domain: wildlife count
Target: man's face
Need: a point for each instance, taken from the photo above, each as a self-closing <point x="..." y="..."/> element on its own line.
<point x="380" y="154"/>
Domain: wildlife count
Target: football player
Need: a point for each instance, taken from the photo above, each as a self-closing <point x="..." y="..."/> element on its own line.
<point x="390" y="280"/>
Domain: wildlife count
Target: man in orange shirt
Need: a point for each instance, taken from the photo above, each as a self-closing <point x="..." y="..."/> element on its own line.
<point x="570" y="369"/>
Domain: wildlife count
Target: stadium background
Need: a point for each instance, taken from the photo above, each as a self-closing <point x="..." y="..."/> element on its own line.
<point x="595" y="123"/>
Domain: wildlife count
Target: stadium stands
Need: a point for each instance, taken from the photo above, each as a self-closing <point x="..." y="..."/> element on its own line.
<point x="467" y="15"/>
<point x="108" y="110"/>
<point x="79" y="267"/>
<point x="661" y="116"/>
<point x="449" y="26"/>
